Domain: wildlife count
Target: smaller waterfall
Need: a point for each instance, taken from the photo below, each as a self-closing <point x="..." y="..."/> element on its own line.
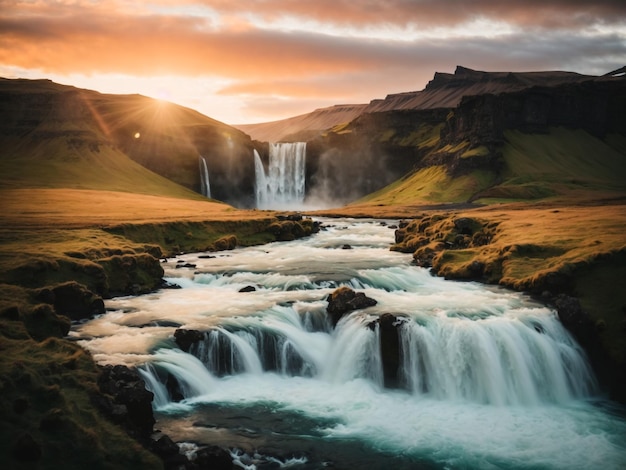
<point x="494" y="361"/>
<point x="284" y="183"/>
<point x="205" y="186"/>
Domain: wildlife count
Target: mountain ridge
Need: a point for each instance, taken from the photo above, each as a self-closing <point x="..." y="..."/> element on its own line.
<point x="445" y="90"/>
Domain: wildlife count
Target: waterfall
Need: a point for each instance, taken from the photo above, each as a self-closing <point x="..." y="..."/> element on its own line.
<point x="283" y="185"/>
<point x="493" y="361"/>
<point x="438" y="374"/>
<point x="205" y="186"/>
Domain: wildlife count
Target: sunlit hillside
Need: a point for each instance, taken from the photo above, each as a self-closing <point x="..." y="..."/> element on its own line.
<point x="58" y="136"/>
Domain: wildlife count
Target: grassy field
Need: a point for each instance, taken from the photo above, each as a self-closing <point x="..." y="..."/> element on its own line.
<point x="105" y="241"/>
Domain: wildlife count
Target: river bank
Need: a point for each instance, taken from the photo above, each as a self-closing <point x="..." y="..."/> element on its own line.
<point x="61" y="253"/>
<point x="48" y="383"/>
<point x="567" y="254"/>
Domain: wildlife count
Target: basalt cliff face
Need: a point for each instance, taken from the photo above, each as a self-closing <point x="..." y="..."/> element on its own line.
<point x="468" y="122"/>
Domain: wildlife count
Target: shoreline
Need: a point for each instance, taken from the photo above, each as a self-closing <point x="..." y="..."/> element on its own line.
<point x="54" y="255"/>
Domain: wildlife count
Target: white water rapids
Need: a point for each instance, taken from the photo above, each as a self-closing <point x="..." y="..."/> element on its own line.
<point x="488" y="378"/>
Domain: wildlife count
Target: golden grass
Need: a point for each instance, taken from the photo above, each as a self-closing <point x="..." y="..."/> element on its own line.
<point x="73" y="208"/>
<point x="577" y="247"/>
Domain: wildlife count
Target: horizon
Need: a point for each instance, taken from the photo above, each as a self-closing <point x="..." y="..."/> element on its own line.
<point x="276" y="59"/>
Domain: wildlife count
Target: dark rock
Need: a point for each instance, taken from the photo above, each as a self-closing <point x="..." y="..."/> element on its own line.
<point x="169" y="285"/>
<point x="346" y="247"/>
<point x="73" y="300"/>
<point x="247" y="289"/>
<point x="173" y="388"/>
<point x="186" y="265"/>
<point x="164" y="447"/>
<point x="214" y="458"/>
<point x="26" y="449"/>
<point x="464" y="225"/>
<point x="185" y="338"/>
<point x="42" y="322"/>
<point x="126" y="387"/>
<point x="206" y="257"/>
<point x="476" y="269"/>
<point x="390" y="348"/>
<point x="344" y="300"/>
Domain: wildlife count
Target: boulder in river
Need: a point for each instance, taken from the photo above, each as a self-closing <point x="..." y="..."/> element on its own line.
<point x="344" y="300"/>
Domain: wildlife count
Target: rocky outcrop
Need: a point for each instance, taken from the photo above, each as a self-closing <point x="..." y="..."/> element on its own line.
<point x="345" y="300"/>
<point x="390" y="347"/>
<point x="138" y="273"/>
<point x="186" y="338"/>
<point x="72" y="299"/>
<point x="125" y="400"/>
<point x="292" y="227"/>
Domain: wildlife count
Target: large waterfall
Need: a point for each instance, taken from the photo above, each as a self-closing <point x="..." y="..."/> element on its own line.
<point x="484" y="377"/>
<point x="283" y="185"/>
<point x="205" y="186"/>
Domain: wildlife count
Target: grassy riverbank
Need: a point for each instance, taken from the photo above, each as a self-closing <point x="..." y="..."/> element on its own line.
<point x="109" y="243"/>
<point x="547" y="248"/>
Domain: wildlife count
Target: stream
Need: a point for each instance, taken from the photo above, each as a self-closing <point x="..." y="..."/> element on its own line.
<point x="486" y="378"/>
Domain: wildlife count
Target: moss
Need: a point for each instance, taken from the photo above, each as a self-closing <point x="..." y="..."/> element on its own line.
<point x="46" y="394"/>
<point x="138" y="273"/>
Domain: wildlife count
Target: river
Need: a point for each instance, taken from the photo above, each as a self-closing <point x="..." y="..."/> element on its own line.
<point x="488" y="378"/>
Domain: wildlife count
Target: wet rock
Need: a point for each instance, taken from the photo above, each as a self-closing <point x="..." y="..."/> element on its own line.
<point x="247" y="289"/>
<point x="346" y="247"/>
<point x="213" y="457"/>
<point x="344" y="300"/>
<point x="186" y="265"/>
<point x="390" y="347"/>
<point x="185" y="338"/>
<point x="125" y="387"/>
<point x="169" y="453"/>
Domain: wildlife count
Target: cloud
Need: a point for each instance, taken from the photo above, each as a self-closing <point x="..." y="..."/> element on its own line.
<point x="284" y="55"/>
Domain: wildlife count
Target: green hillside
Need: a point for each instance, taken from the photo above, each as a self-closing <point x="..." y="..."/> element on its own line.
<point x="561" y="164"/>
<point x="53" y="135"/>
<point x="65" y="162"/>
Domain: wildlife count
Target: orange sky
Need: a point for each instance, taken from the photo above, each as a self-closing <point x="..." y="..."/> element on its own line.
<point x="260" y="60"/>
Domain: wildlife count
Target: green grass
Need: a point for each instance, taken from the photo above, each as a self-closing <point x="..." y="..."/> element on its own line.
<point x="430" y="185"/>
<point x="59" y="163"/>
<point x="561" y="161"/>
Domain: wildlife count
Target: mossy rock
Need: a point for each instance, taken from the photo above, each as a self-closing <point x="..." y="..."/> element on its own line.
<point x="227" y="242"/>
<point x="132" y="274"/>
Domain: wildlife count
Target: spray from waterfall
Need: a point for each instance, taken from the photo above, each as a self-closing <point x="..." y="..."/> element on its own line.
<point x="205" y="186"/>
<point x="283" y="185"/>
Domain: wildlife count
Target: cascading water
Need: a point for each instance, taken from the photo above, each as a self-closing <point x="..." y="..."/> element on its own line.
<point x="205" y="186"/>
<point x="283" y="185"/>
<point x="485" y="377"/>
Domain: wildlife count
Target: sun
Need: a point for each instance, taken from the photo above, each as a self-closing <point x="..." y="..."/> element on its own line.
<point x="137" y="135"/>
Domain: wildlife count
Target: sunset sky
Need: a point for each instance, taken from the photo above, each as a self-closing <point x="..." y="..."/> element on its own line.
<point x="262" y="60"/>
